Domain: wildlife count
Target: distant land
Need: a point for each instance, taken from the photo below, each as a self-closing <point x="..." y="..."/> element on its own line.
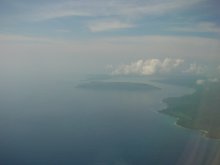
<point x="187" y="81"/>
<point x="119" y="86"/>
<point x="199" y="111"/>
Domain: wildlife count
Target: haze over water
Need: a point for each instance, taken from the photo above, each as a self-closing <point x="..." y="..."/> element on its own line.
<point x="51" y="121"/>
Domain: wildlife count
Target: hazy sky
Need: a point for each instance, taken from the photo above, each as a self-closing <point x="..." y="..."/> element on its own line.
<point x="110" y="36"/>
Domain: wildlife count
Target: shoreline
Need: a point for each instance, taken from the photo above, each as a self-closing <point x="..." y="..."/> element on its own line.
<point x="169" y="110"/>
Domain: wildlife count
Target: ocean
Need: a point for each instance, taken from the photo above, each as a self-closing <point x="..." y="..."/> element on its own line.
<point x="51" y="121"/>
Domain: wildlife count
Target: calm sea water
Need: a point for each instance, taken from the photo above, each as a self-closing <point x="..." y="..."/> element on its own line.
<point x="49" y="121"/>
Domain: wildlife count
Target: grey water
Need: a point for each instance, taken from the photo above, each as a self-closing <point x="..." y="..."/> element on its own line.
<point x="49" y="121"/>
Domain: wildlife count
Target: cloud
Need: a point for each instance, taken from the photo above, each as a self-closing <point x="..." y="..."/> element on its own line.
<point x="155" y="7"/>
<point x="127" y="12"/>
<point x="206" y="27"/>
<point x="56" y="10"/>
<point x="210" y="80"/>
<point x="99" y="26"/>
<point x="195" y="69"/>
<point x="149" y="67"/>
<point x="123" y="9"/>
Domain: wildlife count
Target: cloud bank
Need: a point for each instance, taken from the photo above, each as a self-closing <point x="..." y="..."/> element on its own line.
<point x="149" y="67"/>
<point x="158" y="66"/>
<point x="195" y="69"/>
<point x="120" y="10"/>
<point x="207" y="27"/>
<point x="114" y="8"/>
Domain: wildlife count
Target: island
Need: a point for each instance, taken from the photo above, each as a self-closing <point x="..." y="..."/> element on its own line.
<point x="117" y="86"/>
<point x="199" y="111"/>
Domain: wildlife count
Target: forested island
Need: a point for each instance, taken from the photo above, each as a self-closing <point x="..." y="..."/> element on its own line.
<point x="118" y="86"/>
<point x="200" y="110"/>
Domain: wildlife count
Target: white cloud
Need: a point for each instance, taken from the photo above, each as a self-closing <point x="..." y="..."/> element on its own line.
<point x="200" y="27"/>
<point x="210" y="80"/>
<point x="195" y="69"/>
<point x="99" y="26"/>
<point x="121" y="10"/>
<point x="155" y="7"/>
<point x="125" y="9"/>
<point x="58" y="10"/>
<point x="149" y="67"/>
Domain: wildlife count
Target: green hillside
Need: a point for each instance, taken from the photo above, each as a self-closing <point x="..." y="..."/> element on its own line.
<point x="200" y="111"/>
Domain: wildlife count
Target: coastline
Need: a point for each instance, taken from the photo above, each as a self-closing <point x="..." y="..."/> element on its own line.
<point x="180" y="111"/>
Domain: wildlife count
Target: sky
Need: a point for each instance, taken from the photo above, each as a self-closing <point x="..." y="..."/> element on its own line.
<point x="143" y="37"/>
